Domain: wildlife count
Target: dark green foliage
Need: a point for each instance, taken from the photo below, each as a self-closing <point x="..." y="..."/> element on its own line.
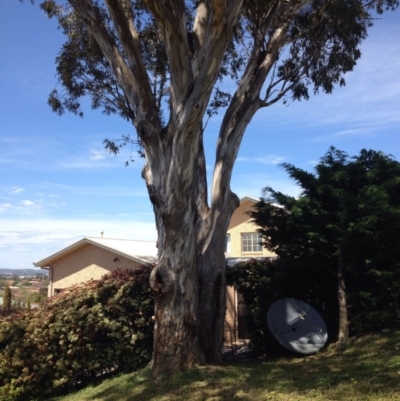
<point x="100" y="328"/>
<point x="261" y="282"/>
<point x="349" y="209"/>
<point x="7" y="298"/>
<point x="348" y="214"/>
<point x="39" y="296"/>
<point x="253" y="280"/>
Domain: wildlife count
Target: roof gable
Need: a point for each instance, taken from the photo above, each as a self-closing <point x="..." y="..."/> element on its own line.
<point x="143" y="252"/>
<point x="240" y="215"/>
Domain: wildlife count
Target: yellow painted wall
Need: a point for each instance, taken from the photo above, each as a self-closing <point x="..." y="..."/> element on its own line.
<point x="83" y="264"/>
<point x="240" y="223"/>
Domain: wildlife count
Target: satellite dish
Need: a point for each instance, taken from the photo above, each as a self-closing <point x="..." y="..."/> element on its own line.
<point x="297" y="326"/>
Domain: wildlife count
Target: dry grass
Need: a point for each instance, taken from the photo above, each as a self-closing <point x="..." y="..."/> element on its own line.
<point x="367" y="370"/>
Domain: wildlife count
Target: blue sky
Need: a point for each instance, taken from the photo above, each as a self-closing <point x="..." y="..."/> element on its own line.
<point x="57" y="184"/>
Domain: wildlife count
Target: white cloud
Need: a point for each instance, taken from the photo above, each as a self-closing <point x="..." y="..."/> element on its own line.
<point x="46" y="230"/>
<point x="99" y="159"/>
<point x="103" y="191"/>
<point x="250" y="184"/>
<point x="313" y="162"/>
<point x="9" y="140"/>
<point x="4" y="207"/>
<point x="97" y="154"/>
<point x="28" y="240"/>
<point x="353" y="133"/>
<point x="17" y="190"/>
<point x="79" y="163"/>
<point x="28" y="203"/>
<point x="270" y="159"/>
<point x="24" y="208"/>
<point x="368" y="105"/>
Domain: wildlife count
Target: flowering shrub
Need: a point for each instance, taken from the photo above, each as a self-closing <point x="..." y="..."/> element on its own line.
<point x="99" y="328"/>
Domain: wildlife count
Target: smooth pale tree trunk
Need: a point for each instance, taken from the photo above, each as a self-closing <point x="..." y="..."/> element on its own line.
<point x="212" y="294"/>
<point x="189" y="317"/>
<point x="189" y="285"/>
<point x="343" y="313"/>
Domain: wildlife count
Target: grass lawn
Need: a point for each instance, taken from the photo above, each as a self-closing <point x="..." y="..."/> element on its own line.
<point x="367" y="370"/>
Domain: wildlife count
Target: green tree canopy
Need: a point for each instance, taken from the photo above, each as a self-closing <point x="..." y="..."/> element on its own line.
<point x="345" y="223"/>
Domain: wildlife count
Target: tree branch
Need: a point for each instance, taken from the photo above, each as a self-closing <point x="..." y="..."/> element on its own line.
<point x="246" y="100"/>
<point x="220" y="31"/>
<point x="224" y="16"/>
<point x="121" y="13"/>
<point x="139" y="96"/>
<point x="259" y="50"/>
<point x="200" y="31"/>
<point x="170" y="16"/>
<point x="244" y="104"/>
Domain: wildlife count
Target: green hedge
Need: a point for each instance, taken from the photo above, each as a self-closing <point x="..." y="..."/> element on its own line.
<point x="261" y="282"/>
<point x="102" y="327"/>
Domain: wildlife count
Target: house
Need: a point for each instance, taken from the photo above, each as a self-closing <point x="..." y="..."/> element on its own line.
<point x="91" y="258"/>
<point x="243" y="242"/>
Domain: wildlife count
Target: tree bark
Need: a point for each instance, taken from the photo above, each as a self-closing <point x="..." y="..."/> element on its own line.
<point x="189" y="280"/>
<point x="343" y="335"/>
<point x="190" y="311"/>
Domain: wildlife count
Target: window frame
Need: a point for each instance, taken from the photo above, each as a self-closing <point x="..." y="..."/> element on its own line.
<point x="227" y="249"/>
<point x="256" y="247"/>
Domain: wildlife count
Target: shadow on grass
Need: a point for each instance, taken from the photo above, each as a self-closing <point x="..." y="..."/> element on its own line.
<point x="368" y="368"/>
<point x="205" y="383"/>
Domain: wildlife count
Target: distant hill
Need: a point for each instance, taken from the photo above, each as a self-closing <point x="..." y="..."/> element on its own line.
<point x="23" y="272"/>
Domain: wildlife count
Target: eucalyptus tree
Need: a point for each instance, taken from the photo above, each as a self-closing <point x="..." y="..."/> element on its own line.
<point x="162" y="65"/>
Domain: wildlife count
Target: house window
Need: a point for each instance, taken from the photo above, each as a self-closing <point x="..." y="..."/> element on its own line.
<point x="251" y="242"/>
<point x="227" y="243"/>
